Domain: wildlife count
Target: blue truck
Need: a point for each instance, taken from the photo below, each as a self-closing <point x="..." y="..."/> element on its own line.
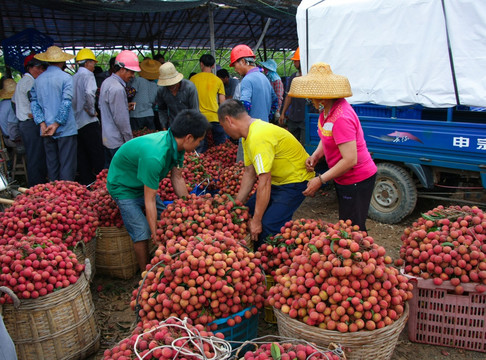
<point x="432" y="153"/>
<point x="416" y="68"/>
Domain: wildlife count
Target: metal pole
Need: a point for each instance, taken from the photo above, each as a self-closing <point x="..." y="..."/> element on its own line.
<point x="211" y="33"/>
<point x="262" y="35"/>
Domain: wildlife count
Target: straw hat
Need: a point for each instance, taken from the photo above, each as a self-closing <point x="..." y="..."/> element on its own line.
<point x="149" y="69"/>
<point x="8" y="89"/>
<point x="270" y="64"/>
<point x="54" y="54"/>
<point x="320" y="83"/>
<point x="168" y="75"/>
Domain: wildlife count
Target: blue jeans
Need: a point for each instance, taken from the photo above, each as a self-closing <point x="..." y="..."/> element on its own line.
<point x="132" y="213"/>
<point x="219" y="137"/>
<point x="284" y="200"/>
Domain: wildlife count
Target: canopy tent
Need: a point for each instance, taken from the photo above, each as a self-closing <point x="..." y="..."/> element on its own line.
<point x="402" y="52"/>
<point x="153" y="23"/>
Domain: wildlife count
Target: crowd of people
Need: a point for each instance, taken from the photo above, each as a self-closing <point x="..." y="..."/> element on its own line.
<point x="74" y="126"/>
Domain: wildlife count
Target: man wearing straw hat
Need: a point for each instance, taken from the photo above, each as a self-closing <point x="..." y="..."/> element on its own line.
<point x="342" y="143"/>
<point x="174" y="94"/>
<point x="142" y="115"/>
<point x="29" y="131"/>
<point x="51" y="105"/>
<point x="277" y="159"/>
<point x="90" y="147"/>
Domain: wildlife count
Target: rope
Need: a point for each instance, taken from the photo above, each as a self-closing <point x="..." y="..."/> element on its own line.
<point x="222" y="348"/>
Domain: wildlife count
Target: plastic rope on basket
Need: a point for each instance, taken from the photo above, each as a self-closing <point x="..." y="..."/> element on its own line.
<point x="333" y="352"/>
<point x="189" y="346"/>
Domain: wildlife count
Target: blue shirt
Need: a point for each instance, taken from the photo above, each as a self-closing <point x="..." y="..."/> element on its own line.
<point x="256" y="90"/>
<point x="115" y="121"/>
<point x="52" y="96"/>
<point x="7" y="117"/>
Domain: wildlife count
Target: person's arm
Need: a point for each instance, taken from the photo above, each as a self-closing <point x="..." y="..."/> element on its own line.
<point x="287" y="102"/>
<point x="90" y="96"/>
<point x="262" y="200"/>
<point x="279" y="91"/>
<point x="349" y="158"/>
<point x="247" y="181"/>
<point x="121" y="117"/>
<point x="163" y="109"/>
<point x="192" y="98"/>
<point x="221" y="98"/>
<point x="37" y="112"/>
<point x="150" y="208"/>
<point x="178" y="182"/>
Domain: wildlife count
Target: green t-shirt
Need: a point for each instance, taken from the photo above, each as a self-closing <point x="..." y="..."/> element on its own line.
<point x="145" y="160"/>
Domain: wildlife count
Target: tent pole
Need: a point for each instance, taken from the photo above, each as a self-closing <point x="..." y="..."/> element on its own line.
<point x="267" y="25"/>
<point x="211" y="33"/>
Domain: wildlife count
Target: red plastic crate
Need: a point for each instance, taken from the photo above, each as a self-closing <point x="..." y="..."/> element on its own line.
<point x="438" y="316"/>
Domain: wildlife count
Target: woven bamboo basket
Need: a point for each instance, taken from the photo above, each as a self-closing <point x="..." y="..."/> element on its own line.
<point x="58" y="326"/>
<point x="376" y="344"/>
<point x="115" y="256"/>
<point x="85" y="251"/>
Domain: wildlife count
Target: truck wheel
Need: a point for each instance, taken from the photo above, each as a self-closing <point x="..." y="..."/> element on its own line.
<point x="394" y="195"/>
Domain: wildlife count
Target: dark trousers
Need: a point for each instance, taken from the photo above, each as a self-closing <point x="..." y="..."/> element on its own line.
<point x="354" y="201"/>
<point x="90" y="153"/>
<point x="284" y="200"/>
<point x="34" y="152"/>
<point x="61" y="157"/>
<point x="219" y="137"/>
<point x="142" y="122"/>
<point x="109" y="153"/>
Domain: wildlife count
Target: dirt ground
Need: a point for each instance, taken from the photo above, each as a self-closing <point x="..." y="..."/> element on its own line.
<point x="116" y="319"/>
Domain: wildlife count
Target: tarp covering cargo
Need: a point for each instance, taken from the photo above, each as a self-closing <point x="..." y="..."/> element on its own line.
<point x="400" y="52"/>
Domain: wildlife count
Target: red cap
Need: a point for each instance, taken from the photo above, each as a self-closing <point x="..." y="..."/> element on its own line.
<point x="28" y="59"/>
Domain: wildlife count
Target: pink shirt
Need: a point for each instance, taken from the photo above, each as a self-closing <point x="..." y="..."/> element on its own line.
<point x="341" y="126"/>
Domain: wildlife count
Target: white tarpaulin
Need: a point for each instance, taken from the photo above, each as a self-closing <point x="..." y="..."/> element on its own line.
<point x="396" y="52"/>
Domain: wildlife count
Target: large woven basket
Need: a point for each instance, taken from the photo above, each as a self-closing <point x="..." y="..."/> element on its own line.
<point x="85" y="251"/>
<point x="377" y="344"/>
<point x="58" y="326"/>
<point x="115" y="255"/>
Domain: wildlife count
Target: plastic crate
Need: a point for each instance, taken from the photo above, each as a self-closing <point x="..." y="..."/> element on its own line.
<point x="245" y="330"/>
<point x="402" y="112"/>
<point x="438" y="316"/>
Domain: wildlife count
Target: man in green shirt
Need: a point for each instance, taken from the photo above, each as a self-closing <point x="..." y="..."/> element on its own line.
<point x="137" y="169"/>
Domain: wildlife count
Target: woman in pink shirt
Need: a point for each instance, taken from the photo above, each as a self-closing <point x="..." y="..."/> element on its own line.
<point x="342" y="143"/>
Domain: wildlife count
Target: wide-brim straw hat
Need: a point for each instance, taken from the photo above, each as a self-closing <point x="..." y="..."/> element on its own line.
<point x="8" y="89"/>
<point x="320" y="83"/>
<point x="54" y="54"/>
<point x="149" y="69"/>
<point x="270" y="64"/>
<point x="168" y="75"/>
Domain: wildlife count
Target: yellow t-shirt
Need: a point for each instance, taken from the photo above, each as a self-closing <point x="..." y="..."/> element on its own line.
<point x="270" y="148"/>
<point x="208" y="87"/>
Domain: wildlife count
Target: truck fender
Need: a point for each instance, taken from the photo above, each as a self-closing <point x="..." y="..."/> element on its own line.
<point x="424" y="174"/>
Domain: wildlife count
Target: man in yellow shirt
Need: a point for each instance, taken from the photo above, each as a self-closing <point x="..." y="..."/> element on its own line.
<point x="210" y="91"/>
<point x="277" y="158"/>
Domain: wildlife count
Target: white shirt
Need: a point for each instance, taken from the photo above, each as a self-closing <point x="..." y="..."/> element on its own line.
<point x="21" y="97"/>
<point x="84" y="93"/>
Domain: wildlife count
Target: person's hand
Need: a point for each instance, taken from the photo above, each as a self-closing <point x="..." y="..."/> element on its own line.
<point x="43" y="128"/>
<point x="276" y="117"/>
<point x="313" y="185"/>
<point x="310" y="163"/>
<point x="281" y="119"/>
<point x="131" y="106"/>
<point x="51" y="129"/>
<point x="255" y="228"/>
<point x="30" y="116"/>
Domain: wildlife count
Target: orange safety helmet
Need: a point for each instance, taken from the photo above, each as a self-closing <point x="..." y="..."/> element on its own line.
<point x="240" y="51"/>
<point x="296" y="56"/>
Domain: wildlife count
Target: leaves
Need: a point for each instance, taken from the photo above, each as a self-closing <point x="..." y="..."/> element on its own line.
<point x="275" y="351"/>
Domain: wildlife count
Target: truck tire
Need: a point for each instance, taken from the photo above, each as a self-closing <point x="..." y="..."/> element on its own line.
<point x="394" y="195"/>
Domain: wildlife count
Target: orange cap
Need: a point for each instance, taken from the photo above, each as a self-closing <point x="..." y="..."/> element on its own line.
<point x="296" y="55"/>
